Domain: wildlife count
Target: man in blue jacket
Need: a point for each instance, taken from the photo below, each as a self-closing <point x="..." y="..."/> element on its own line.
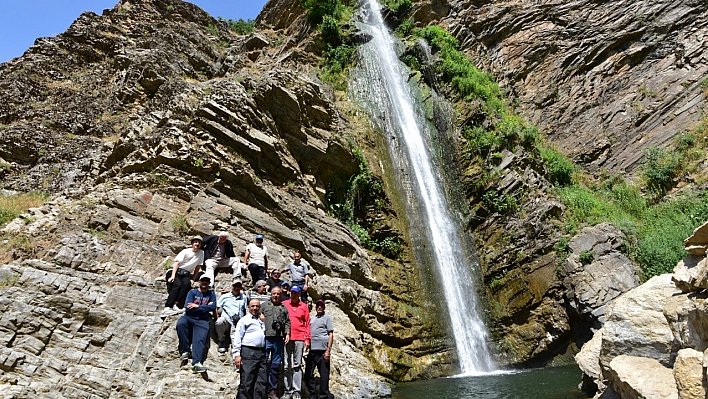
<point x="200" y="305"/>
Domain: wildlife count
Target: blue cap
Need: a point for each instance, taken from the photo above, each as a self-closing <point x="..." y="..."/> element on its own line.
<point x="295" y="289"/>
<point x="284" y="283"/>
<point x="259" y="236"/>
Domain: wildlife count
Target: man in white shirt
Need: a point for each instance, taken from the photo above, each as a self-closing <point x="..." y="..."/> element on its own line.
<point x="256" y="258"/>
<point x="249" y="353"/>
<point x="181" y="277"/>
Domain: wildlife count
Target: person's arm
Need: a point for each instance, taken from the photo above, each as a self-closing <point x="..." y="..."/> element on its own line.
<point x="287" y="324"/>
<point x="307" y="327"/>
<point x="200" y="258"/>
<point x="175" y="266"/>
<point x="307" y="282"/>
<point x="330" y="339"/>
<point x="236" y="346"/>
<point x="265" y="262"/>
<point x="246" y="255"/>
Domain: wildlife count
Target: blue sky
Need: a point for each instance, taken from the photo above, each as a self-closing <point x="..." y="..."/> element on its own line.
<point x="25" y="20"/>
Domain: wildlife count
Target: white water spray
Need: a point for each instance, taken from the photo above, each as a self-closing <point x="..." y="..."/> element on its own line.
<point x="389" y="99"/>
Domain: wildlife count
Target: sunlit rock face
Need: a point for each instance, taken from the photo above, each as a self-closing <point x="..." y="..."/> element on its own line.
<point x="604" y="80"/>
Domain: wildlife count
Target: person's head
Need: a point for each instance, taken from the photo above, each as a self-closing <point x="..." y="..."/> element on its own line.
<point x="204" y="283"/>
<point x="223" y="236"/>
<point x="285" y="285"/>
<point x="260" y="287"/>
<point x="259" y="239"/>
<point x="254" y="307"/>
<point x="295" y="293"/>
<point x="320" y="307"/>
<point x="276" y="293"/>
<point x="196" y="243"/>
<point x="296" y="257"/>
<point x="236" y="287"/>
<point x="275" y="275"/>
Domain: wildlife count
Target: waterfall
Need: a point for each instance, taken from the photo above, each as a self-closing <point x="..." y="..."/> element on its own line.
<point x="380" y="85"/>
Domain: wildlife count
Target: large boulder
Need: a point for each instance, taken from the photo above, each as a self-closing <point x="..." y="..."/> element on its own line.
<point x="588" y="360"/>
<point x="691" y="273"/>
<point x="597" y="272"/>
<point x="697" y="244"/>
<point x="636" y="325"/>
<point x="689" y="374"/>
<point x="688" y="319"/>
<point x="636" y="377"/>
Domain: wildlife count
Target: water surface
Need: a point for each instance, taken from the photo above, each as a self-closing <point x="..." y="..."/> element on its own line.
<point x="548" y="383"/>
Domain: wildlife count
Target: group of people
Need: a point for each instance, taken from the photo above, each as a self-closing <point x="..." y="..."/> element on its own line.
<point x="267" y="327"/>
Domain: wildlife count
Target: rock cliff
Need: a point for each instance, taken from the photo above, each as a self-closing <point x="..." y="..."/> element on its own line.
<point x="148" y="124"/>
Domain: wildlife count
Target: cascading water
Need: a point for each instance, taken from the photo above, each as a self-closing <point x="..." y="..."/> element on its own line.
<point x="381" y="87"/>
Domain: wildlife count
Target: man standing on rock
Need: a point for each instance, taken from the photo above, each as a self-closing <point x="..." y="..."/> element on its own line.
<point x="249" y="353"/>
<point x="219" y="254"/>
<point x="181" y="277"/>
<point x="193" y="326"/>
<point x="232" y="307"/>
<point x="277" y="334"/>
<point x="322" y="336"/>
<point x="299" y="341"/>
<point x="256" y="258"/>
<point x="299" y="274"/>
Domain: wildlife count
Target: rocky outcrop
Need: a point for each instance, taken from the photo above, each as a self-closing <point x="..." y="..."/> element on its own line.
<point x="653" y="341"/>
<point x="697" y="244"/>
<point x="597" y="272"/>
<point x="604" y="80"/>
<point x="151" y="123"/>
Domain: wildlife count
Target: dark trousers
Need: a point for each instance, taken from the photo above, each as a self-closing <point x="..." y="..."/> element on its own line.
<point x="316" y="359"/>
<point x="254" y="372"/>
<point x="303" y="293"/>
<point x="257" y="272"/>
<point x="274" y="354"/>
<point x="194" y="333"/>
<point x="178" y="290"/>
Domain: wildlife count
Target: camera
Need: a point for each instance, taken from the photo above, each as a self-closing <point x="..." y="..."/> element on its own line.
<point x="278" y="325"/>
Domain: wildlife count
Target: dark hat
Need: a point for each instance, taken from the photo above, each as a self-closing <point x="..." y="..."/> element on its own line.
<point x="204" y="277"/>
<point x="320" y="302"/>
<point x="295" y="288"/>
<point x="284" y="283"/>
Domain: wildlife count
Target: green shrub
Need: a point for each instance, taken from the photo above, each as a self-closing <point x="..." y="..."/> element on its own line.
<point x="212" y="29"/>
<point x="399" y="5"/>
<point x="560" y="168"/>
<point x="501" y="203"/>
<point x="405" y="28"/>
<point x="586" y="257"/>
<point x="317" y="9"/>
<point x="240" y="26"/>
<point x="330" y="30"/>
<point x="660" y="168"/>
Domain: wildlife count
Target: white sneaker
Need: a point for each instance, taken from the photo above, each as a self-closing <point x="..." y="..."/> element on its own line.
<point x="165" y="313"/>
<point x="176" y="309"/>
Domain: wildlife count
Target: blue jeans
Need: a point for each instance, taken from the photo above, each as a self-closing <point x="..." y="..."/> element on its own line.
<point x="303" y="293"/>
<point x="199" y="335"/>
<point x="274" y="356"/>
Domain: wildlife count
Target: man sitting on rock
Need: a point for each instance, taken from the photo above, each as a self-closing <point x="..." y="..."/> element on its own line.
<point x="219" y="254"/>
<point x="193" y="326"/>
<point x="181" y="277"/>
<point x="259" y="292"/>
<point x="231" y="307"/>
<point x="274" y="280"/>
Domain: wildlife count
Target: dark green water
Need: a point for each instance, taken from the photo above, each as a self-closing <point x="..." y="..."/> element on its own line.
<point x="548" y="383"/>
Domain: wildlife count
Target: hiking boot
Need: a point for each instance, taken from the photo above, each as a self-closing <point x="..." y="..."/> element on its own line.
<point x="296" y="395"/>
<point x="272" y="395"/>
<point x="185" y="356"/>
<point x="286" y="395"/>
<point x="198" y="368"/>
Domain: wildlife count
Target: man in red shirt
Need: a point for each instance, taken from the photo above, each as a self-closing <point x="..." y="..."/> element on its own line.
<point x="299" y="315"/>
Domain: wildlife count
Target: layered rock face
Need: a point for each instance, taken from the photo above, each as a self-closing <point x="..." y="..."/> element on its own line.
<point x="654" y="340"/>
<point x="604" y="80"/>
<point x="149" y="124"/>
